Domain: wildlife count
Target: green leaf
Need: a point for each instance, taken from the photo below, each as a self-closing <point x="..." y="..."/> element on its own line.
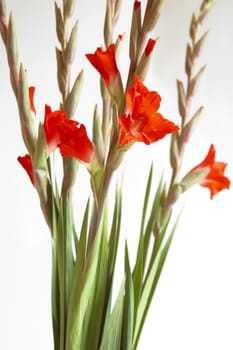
<point x="111" y="339"/>
<point x="72" y="99"/>
<point x="128" y="313"/>
<point x="114" y="236"/>
<point x="95" y="312"/>
<point x="154" y="216"/>
<point x="69" y="258"/>
<point x="55" y="282"/>
<point x="83" y="294"/>
<point x="150" y="286"/>
<point x="139" y="264"/>
<point x="81" y="245"/>
<point x="60" y="246"/>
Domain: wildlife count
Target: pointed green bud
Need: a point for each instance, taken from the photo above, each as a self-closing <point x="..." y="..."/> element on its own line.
<point x="181" y="99"/>
<point x="3" y="9"/>
<point x="72" y="99"/>
<point x="189" y="61"/>
<point x="12" y="46"/>
<point x="175" y="150"/>
<point x="97" y="133"/>
<point x="116" y="90"/>
<point x="41" y="150"/>
<point x="205" y="10"/>
<point x="68" y="8"/>
<point x="96" y="170"/>
<point x="12" y="54"/>
<point x="3" y="21"/>
<point x="193" y="28"/>
<point x="108" y="24"/>
<point x="152" y="14"/>
<point x="70" y="50"/>
<point x="195" y="82"/>
<point x="144" y="63"/>
<point x="61" y="76"/>
<point x="117" y="5"/>
<point x="199" y="45"/>
<point x="26" y="118"/>
<point x="190" y="126"/>
<point x="59" y="24"/>
<point x="136" y="26"/>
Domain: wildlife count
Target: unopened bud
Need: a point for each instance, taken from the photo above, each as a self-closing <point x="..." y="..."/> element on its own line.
<point x="195" y="81"/>
<point x="59" y="24"/>
<point x="190" y="126"/>
<point x="181" y="99"/>
<point x="72" y="99"/>
<point x="27" y="120"/>
<point x="68" y="8"/>
<point x="70" y="50"/>
<point x="143" y="66"/>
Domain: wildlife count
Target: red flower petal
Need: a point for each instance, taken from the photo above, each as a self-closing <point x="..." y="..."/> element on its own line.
<point x="105" y="63"/>
<point x="143" y="123"/>
<point x="26" y="163"/>
<point x="150" y="46"/>
<point x="31" y="91"/>
<point x="137" y="5"/>
<point x="215" y="180"/>
<point x="51" y="122"/>
<point x="74" y="141"/>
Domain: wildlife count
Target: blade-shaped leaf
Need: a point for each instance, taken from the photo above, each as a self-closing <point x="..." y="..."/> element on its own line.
<point x="139" y="264"/>
<point x="150" y="286"/>
<point x="93" y="322"/>
<point x="111" y="339"/>
<point x="128" y="313"/>
<point x="82" y="296"/>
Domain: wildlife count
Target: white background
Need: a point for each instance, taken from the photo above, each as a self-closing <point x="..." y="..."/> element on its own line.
<point x="193" y="305"/>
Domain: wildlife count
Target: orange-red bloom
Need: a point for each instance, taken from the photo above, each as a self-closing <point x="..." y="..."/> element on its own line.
<point x="143" y="123"/>
<point x="215" y="179"/>
<point x="26" y="163"/>
<point x="105" y="63"/>
<point x="51" y="122"/>
<point x="74" y="141"/>
<point x="68" y="135"/>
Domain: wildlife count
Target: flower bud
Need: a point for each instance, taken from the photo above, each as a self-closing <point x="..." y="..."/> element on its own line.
<point x="68" y="8"/>
<point x="70" y="50"/>
<point x="72" y="99"/>
<point x="27" y="120"/>
<point x="59" y="24"/>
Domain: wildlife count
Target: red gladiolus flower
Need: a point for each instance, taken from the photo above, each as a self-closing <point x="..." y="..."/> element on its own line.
<point x="143" y="123"/>
<point x="51" y="122"/>
<point x="215" y="180"/>
<point x="26" y="163"/>
<point x="74" y="141"/>
<point x="105" y="63"/>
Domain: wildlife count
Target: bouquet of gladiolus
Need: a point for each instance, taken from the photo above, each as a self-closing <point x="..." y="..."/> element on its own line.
<point x="85" y="314"/>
